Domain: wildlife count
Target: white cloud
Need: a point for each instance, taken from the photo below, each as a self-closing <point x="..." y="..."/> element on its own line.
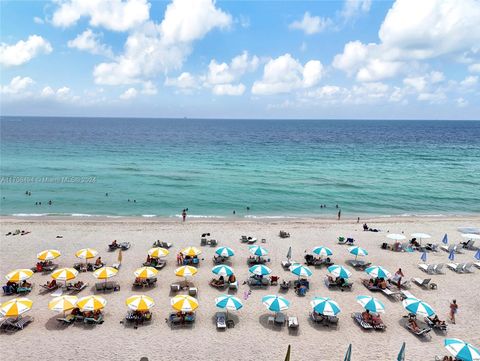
<point x="311" y="24"/>
<point x="17" y="85"/>
<point x="474" y="68"/>
<point x="227" y="73"/>
<point x="117" y="15"/>
<point x="38" y="20"/>
<point x="154" y="48"/>
<point x="63" y="92"/>
<point x="183" y="81"/>
<point x="89" y="41"/>
<point x="24" y="50"/>
<point x="469" y="81"/>
<point x="461" y="102"/>
<point x="421" y="83"/>
<point x="353" y="8"/>
<point x="412" y="32"/>
<point x="47" y="92"/>
<point x="228" y="89"/>
<point x="149" y="88"/>
<point x="435" y="97"/>
<point x="284" y="74"/>
<point x="130" y="93"/>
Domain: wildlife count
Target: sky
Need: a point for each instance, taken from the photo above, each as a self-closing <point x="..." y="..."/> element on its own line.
<point x="343" y="59"/>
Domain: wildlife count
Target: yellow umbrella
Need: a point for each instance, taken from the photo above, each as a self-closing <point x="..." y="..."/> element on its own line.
<point x="48" y="255"/>
<point x="105" y="272"/>
<point x="140" y="303"/>
<point x="16" y="307"/>
<point x="86" y="253"/>
<point x="191" y="251"/>
<point x="146" y="272"/>
<point x="63" y="303"/>
<point x="19" y="275"/>
<point x="65" y="274"/>
<point x="184" y="303"/>
<point x="185" y="271"/>
<point x="158" y="252"/>
<point x="91" y="303"/>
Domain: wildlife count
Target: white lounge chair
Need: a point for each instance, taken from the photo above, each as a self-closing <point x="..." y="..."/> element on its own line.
<point x="427" y="268"/>
<point x="477" y="264"/>
<point x="388" y="292"/>
<point x="457" y="267"/>
<point x="424" y="282"/>
<point x="468" y="267"/>
<point x="452" y="247"/>
<point x="438" y="269"/>
<point x="406" y="294"/>
<point x="221" y="320"/>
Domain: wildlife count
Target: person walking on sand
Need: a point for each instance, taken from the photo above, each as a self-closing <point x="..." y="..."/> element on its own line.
<point x="453" y="310"/>
<point x="184" y="215"/>
<point x="398" y="277"/>
<point x="339" y="214"/>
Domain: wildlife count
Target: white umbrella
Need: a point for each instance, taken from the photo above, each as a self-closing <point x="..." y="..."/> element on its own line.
<point x="396" y="236"/>
<point x="421" y="235"/>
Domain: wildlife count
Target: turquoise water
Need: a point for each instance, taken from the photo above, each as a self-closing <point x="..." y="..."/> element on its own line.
<point x="212" y="167"/>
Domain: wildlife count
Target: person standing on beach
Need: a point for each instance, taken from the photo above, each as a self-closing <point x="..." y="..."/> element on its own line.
<point x="453" y="310"/>
<point x="339" y="214"/>
<point x="184" y="215"/>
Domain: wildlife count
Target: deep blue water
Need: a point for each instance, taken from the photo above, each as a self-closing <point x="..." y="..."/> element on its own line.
<point x="275" y="167"/>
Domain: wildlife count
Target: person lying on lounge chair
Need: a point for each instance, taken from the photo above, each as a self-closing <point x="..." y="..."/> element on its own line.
<point x="413" y="324"/>
<point x="25" y="284"/>
<point x="382" y="283"/>
<point x="340" y="281"/>
<point x="51" y="284"/>
<point x="366" y="316"/>
<point x="436" y="321"/>
<point x="232" y="278"/>
<point x="376" y="320"/>
<point x="114" y="244"/>
<point x="98" y="262"/>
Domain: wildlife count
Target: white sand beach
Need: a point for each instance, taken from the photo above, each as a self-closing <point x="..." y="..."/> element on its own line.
<point x="251" y="338"/>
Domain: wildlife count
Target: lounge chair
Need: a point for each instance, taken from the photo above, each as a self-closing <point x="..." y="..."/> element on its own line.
<point x="175" y="287"/>
<point x="251" y="240"/>
<point x="279" y="319"/>
<point x="283" y="234"/>
<point x="67" y="320"/>
<point x="217" y="284"/>
<point x="438" y="269"/>
<point x="192" y="291"/>
<point x="406" y="294"/>
<point x="94" y="321"/>
<point x="423" y="328"/>
<point x="286" y="264"/>
<point x="323" y="320"/>
<point x="359" y="264"/>
<point x="424" y="283"/>
<point x="285" y="285"/>
<point x="221" y="320"/>
<point x="161" y="244"/>
<point x="453" y="247"/>
<point x="189" y="319"/>
<point x="252" y="261"/>
<point x="457" y="267"/>
<point x="345" y="285"/>
<point x="292" y="322"/>
<point x="220" y="259"/>
<point x="107" y="286"/>
<point x="15" y="324"/>
<point x="371" y="288"/>
<point x="470" y="244"/>
<point x="71" y="287"/>
<point x="427" y="268"/>
<point x="348" y="240"/>
<point x="390" y="293"/>
<point x="256" y="282"/>
<point x="476" y="264"/>
<point x="442" y="326"/>
<point x="357" y="316"/>
<point x="310" y="260"/>
<point x="243" y="239"/>
<point x="8" y="290"/>
<point x="233" y="285"/>
<point x="48" y="287"/>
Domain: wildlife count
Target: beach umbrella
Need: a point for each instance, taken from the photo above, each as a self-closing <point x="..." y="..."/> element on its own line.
<point x="471" y="236"/>
<point x="396" y="236"/>
<point x="371" y="304"/>
<point x="423" y="257"/>
<point x="16" y="307"/>
<point x="86" y="253"/>
<point x="65" y="274"/>
<point x="260" y="270"/>
<point x="401" y="354"/>
<point x="191" y="251"/>
<point x="228" y="302"/>
<point x="276" y="303"/>
<point x="348" y="355"/>
<point x="222" y="270"/>
<point x="287" y="356"/>
<point x="339" y="271"/>
<point x="185" y="271"/>
<point x="91" y="303"/>
<point x="289" y="253"/>
<point x="325" y="306"/>
<point x="477" y="255"/>
<point x="48" y="255"/>
<point x="418" y="307"/>
<point x="258" y="251"/>
<point x="378" y="271"/>
<point x="322" y="251"/>
<point x="462" y="350"/>
<point x="357" y="251"/>
<point x="157" y="252"/>
<point x="300" y="270"/>
<point x="225" y="252"/>
<point x="445" y="239"/>
<point x="145" y="272"/>
<point x="63" y="303"/>
<point x="105" y="273"/>
<point x="140" y="303"/>
<point x="451" y="256"/>
<point x="184" y="303"/>
<point x="120" y="256"/>
<point x="19" y="275"/>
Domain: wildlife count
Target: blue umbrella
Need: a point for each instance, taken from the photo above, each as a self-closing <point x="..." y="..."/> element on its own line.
<point x="445" y="239"/>
<point x="225" y="252"/>
<point x="423" y="257"/>
<point x="462" y="350"/>
<point x="477" y="255"/>
<point x="451" y="256"/>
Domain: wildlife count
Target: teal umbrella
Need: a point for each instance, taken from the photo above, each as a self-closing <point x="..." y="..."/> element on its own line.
<point x="401" y="354"/>
<point x="348" y="355"/>
<point x="462" y="350"/>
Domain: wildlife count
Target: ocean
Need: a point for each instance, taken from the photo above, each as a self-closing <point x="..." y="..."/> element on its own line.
<point x="276" y="168"/>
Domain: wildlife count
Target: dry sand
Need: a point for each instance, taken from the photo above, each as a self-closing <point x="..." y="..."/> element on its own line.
<point x="251" y="339"/>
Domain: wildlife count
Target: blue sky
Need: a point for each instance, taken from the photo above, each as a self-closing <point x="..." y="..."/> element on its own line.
<point x="241" y="59"/>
